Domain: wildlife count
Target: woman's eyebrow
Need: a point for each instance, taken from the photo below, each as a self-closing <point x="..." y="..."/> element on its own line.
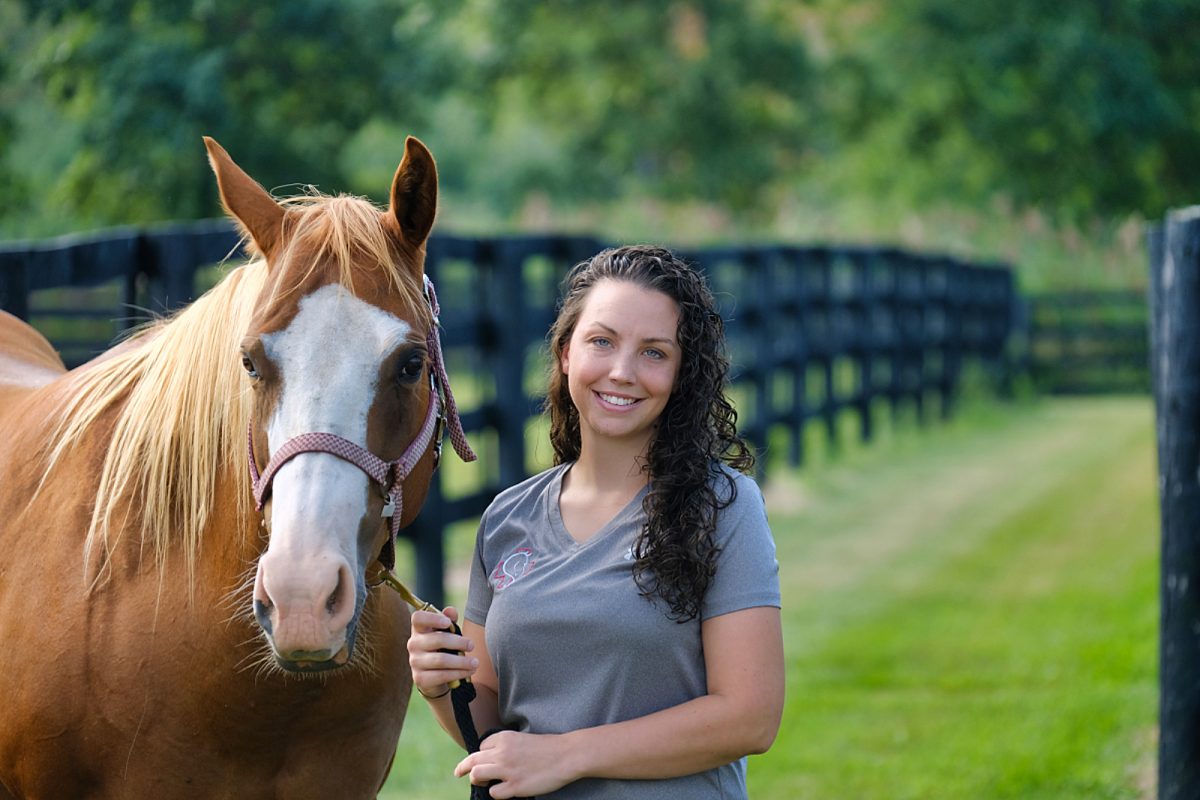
<point x="650" y="340"/>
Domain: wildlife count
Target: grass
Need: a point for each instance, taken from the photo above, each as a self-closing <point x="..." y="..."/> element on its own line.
<point x="969" y="612"/>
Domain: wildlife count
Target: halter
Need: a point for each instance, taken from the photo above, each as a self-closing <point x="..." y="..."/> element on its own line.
<point x="441" y="414"/>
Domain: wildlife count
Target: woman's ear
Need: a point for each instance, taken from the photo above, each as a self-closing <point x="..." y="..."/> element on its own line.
<point x="564" y="359"/>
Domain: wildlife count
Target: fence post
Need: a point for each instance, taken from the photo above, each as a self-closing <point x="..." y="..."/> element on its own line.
<point x="953" y="279"/>
<point x="831" y="345"/>
<point x="792" y="265"/>
<point x="759" y="322"/>
<point x="1175" y="291"/>
<point x="864" y="340"/>
<point x="14" y="288"/>
<point x="512" y="406"/>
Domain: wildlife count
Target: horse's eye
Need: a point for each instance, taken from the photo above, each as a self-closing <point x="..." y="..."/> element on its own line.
<point x="248" y="365"/>
<point x="412" y="368"/>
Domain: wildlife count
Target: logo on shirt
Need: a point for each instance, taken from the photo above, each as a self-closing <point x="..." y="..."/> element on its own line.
<point x="512" y="568"/>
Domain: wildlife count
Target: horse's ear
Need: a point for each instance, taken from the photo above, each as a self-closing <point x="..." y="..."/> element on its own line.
<point x="245" y="200"/>
<point x="414" y="193"/>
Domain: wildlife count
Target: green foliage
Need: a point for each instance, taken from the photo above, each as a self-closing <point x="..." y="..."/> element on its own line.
<point x="1081" y="106"/>
<point x="13" y="189"/>
<point x="666" y="119"/>
<point x="281" y="85"/>
<point x="702" y="99"/>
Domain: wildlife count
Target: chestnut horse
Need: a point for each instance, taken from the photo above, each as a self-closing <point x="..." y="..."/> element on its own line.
<point x="191" y="525"/>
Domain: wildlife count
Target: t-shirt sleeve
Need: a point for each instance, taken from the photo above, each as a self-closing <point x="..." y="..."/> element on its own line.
<point x="479" y="588"/>
<point x="747" y="574"/>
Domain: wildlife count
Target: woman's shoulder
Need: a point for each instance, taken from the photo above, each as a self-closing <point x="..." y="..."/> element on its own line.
<point x="734" y="488"/>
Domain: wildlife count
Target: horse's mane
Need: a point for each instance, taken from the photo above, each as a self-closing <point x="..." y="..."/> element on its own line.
<point x="179" y="400"/>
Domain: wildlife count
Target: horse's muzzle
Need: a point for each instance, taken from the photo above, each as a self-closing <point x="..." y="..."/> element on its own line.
<point x="303" y="661"/>
<point x="308" y="614"/>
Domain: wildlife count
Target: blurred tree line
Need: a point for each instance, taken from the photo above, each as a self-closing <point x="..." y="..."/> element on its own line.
<point x="1083" y="108"/>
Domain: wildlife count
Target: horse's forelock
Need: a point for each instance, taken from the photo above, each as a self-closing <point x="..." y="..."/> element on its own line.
<point x="344" y="237"/>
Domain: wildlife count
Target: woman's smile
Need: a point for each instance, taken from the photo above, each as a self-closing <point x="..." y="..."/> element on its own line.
<point x="617" y="400"/>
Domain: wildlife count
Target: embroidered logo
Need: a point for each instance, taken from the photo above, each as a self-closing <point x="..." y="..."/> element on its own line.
<point x="512" y="568"/>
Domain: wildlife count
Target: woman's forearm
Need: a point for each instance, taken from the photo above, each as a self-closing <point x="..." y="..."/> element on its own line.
<point x="698" y="735"/>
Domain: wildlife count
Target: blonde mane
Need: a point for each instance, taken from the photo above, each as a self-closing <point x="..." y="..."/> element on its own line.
<point x="178" y="395"/>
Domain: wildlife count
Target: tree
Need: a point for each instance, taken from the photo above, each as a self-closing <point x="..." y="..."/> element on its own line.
<point x="699" y="99"/>
<point x="1083" y="106"/>
<point x="284" y="86"/>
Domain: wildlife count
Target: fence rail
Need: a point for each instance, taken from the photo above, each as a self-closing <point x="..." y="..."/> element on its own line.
<point x="814" y="333"/>
<point x="1089" y="342"/>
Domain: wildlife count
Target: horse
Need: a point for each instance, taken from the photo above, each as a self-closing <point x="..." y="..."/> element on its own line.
<point x="196" y="527"/>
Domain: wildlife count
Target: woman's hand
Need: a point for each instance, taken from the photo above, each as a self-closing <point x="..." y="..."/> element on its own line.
<point x="432" y="669"/>
<point x="526" y="764"/>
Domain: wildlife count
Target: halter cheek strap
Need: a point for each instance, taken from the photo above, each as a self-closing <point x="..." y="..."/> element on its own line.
<point x="390" y="475"/>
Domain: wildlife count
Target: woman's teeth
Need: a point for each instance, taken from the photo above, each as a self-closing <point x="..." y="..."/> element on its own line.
<point x="617" y="401"/>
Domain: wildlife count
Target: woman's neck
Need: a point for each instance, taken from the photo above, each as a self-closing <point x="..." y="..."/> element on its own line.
<point x="608" y="467"/>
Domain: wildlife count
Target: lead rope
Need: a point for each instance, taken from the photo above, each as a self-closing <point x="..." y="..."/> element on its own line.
<point x="461" y="692"/>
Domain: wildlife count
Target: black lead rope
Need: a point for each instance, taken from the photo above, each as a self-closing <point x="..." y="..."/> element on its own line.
<point x="461" y="692"/>
<point x="461" y="696"/>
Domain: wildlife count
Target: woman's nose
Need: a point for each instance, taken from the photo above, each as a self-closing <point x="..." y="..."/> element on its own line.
<point x="622" y="368"/>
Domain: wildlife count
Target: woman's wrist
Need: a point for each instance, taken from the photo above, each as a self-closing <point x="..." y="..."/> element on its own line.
<point x="575" y="754"/>
<point x="434" y="695"/>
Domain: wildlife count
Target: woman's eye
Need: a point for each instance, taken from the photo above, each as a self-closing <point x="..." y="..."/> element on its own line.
<point x="656" y="354"/>
<point x="248" y="365"/>
<point x="412" y="369"/>
<point x="601" y="341"/>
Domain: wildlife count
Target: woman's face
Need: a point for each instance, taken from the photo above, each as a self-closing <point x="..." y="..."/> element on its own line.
<point x="621" y="362"/>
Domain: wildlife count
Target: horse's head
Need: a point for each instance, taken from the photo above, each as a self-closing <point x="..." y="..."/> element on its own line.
<point x="341" y="357"/>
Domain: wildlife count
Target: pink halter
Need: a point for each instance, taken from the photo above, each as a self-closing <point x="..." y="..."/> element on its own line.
<point x="389" y="475"/>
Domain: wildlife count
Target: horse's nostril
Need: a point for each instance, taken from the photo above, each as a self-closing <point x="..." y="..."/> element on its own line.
<point x="341" y="594"/>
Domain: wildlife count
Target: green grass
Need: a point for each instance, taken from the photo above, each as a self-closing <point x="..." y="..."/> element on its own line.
<point x="969" y="612"/>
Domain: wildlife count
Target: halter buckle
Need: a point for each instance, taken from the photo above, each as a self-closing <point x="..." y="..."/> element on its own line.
<point x="437" y="440"/>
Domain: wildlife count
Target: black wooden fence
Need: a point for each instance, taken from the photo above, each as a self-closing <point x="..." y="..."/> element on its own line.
<point x="1089" y="342"/>
<point x="1175" y="346"/>
<point x="815" y="333"/>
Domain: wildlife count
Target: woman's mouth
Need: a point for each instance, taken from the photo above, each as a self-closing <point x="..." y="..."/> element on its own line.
<point x="616" y="400"/>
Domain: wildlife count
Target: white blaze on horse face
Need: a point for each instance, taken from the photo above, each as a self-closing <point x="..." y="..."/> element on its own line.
<point x="329" y="359"/>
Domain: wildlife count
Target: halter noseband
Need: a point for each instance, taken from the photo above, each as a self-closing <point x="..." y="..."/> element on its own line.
<point x="441" y="415"/>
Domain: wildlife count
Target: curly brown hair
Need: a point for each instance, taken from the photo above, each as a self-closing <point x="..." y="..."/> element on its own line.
<point x="676" y="552"/>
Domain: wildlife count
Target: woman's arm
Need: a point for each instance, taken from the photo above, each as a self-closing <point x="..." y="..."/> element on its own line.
<point x="740" y="714"/>
<point x="433" y="670"/>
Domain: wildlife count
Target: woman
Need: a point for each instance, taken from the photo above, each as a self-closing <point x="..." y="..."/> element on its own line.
<point x="622" y="621"/>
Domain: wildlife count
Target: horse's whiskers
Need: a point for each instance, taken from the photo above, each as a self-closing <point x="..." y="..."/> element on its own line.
<point x="237" y="601"/>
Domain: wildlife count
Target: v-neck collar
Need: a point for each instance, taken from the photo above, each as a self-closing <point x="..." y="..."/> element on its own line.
<point x="554" y="512"/>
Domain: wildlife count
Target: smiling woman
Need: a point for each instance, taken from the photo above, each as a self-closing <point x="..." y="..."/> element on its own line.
<point x="628" y="597"/>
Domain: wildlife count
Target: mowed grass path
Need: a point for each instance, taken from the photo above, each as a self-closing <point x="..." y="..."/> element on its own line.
<point x="970" y="611"/>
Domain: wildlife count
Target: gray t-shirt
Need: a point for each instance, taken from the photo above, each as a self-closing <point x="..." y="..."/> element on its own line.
<point x="575" y="645"/>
